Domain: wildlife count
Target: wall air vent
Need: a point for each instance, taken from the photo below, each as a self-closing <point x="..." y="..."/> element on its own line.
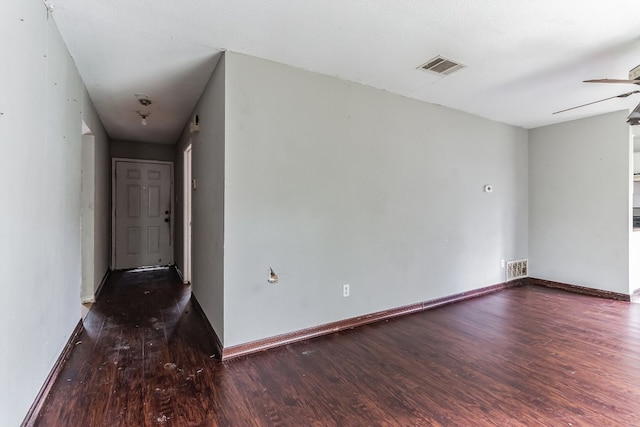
<point x="441" y="66"/>
<point x="517" y="269"/>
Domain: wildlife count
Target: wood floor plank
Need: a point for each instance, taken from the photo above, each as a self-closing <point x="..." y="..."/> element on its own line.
<point x="520" y="357"/>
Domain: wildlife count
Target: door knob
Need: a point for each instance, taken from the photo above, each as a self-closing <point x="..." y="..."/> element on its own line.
<point x="166" y="220"/>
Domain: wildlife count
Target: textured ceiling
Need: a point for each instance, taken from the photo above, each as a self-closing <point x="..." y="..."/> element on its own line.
<point x="524" y="59"/>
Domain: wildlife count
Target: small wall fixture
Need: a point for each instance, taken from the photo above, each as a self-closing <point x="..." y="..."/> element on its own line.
<point x="194" y="126"/>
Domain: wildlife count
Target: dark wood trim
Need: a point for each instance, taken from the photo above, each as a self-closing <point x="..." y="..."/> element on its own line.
<point x="328" y="328"/>
<point x="578" y="289"/>
<point x="470" y="294"/>
<point x="198" y="308"/>
<point x="34" y="410"/>
<point x="354" y="322"/>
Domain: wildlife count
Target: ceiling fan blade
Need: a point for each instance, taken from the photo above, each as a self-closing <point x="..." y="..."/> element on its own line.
<point x="635" y="82"/>
<point x="623" y="95"/>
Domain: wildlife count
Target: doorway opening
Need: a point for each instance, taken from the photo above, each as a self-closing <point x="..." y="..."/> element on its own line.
<point x="188" y="188"/>
<point x="87" y="220"/>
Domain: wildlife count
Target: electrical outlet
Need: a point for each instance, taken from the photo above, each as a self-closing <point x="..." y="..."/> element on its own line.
<point x="502" y="263"/>
<point x="345" y="290"/>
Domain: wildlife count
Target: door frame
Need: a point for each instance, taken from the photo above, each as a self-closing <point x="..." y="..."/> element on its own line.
<point x="114" y="160"/>
<point x="187" y="212"/>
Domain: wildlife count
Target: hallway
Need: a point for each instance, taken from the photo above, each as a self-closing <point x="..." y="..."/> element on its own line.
<point x="144" y="357"/>
<point x="523" y="356"/>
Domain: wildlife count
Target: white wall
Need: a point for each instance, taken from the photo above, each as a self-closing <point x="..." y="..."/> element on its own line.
<point x="331" y="182"/>
<point x="40" y="134"/>
<point x="579" y="201"/>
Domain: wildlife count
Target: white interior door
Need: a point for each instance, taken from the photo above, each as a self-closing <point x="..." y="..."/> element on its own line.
<point x="143" y="214"/>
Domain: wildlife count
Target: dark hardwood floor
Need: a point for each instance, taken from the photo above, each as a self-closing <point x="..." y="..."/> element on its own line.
<point x="525" y="356"/>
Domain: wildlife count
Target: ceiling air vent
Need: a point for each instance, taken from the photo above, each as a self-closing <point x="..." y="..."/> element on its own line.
<point x="440" y="65"/>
